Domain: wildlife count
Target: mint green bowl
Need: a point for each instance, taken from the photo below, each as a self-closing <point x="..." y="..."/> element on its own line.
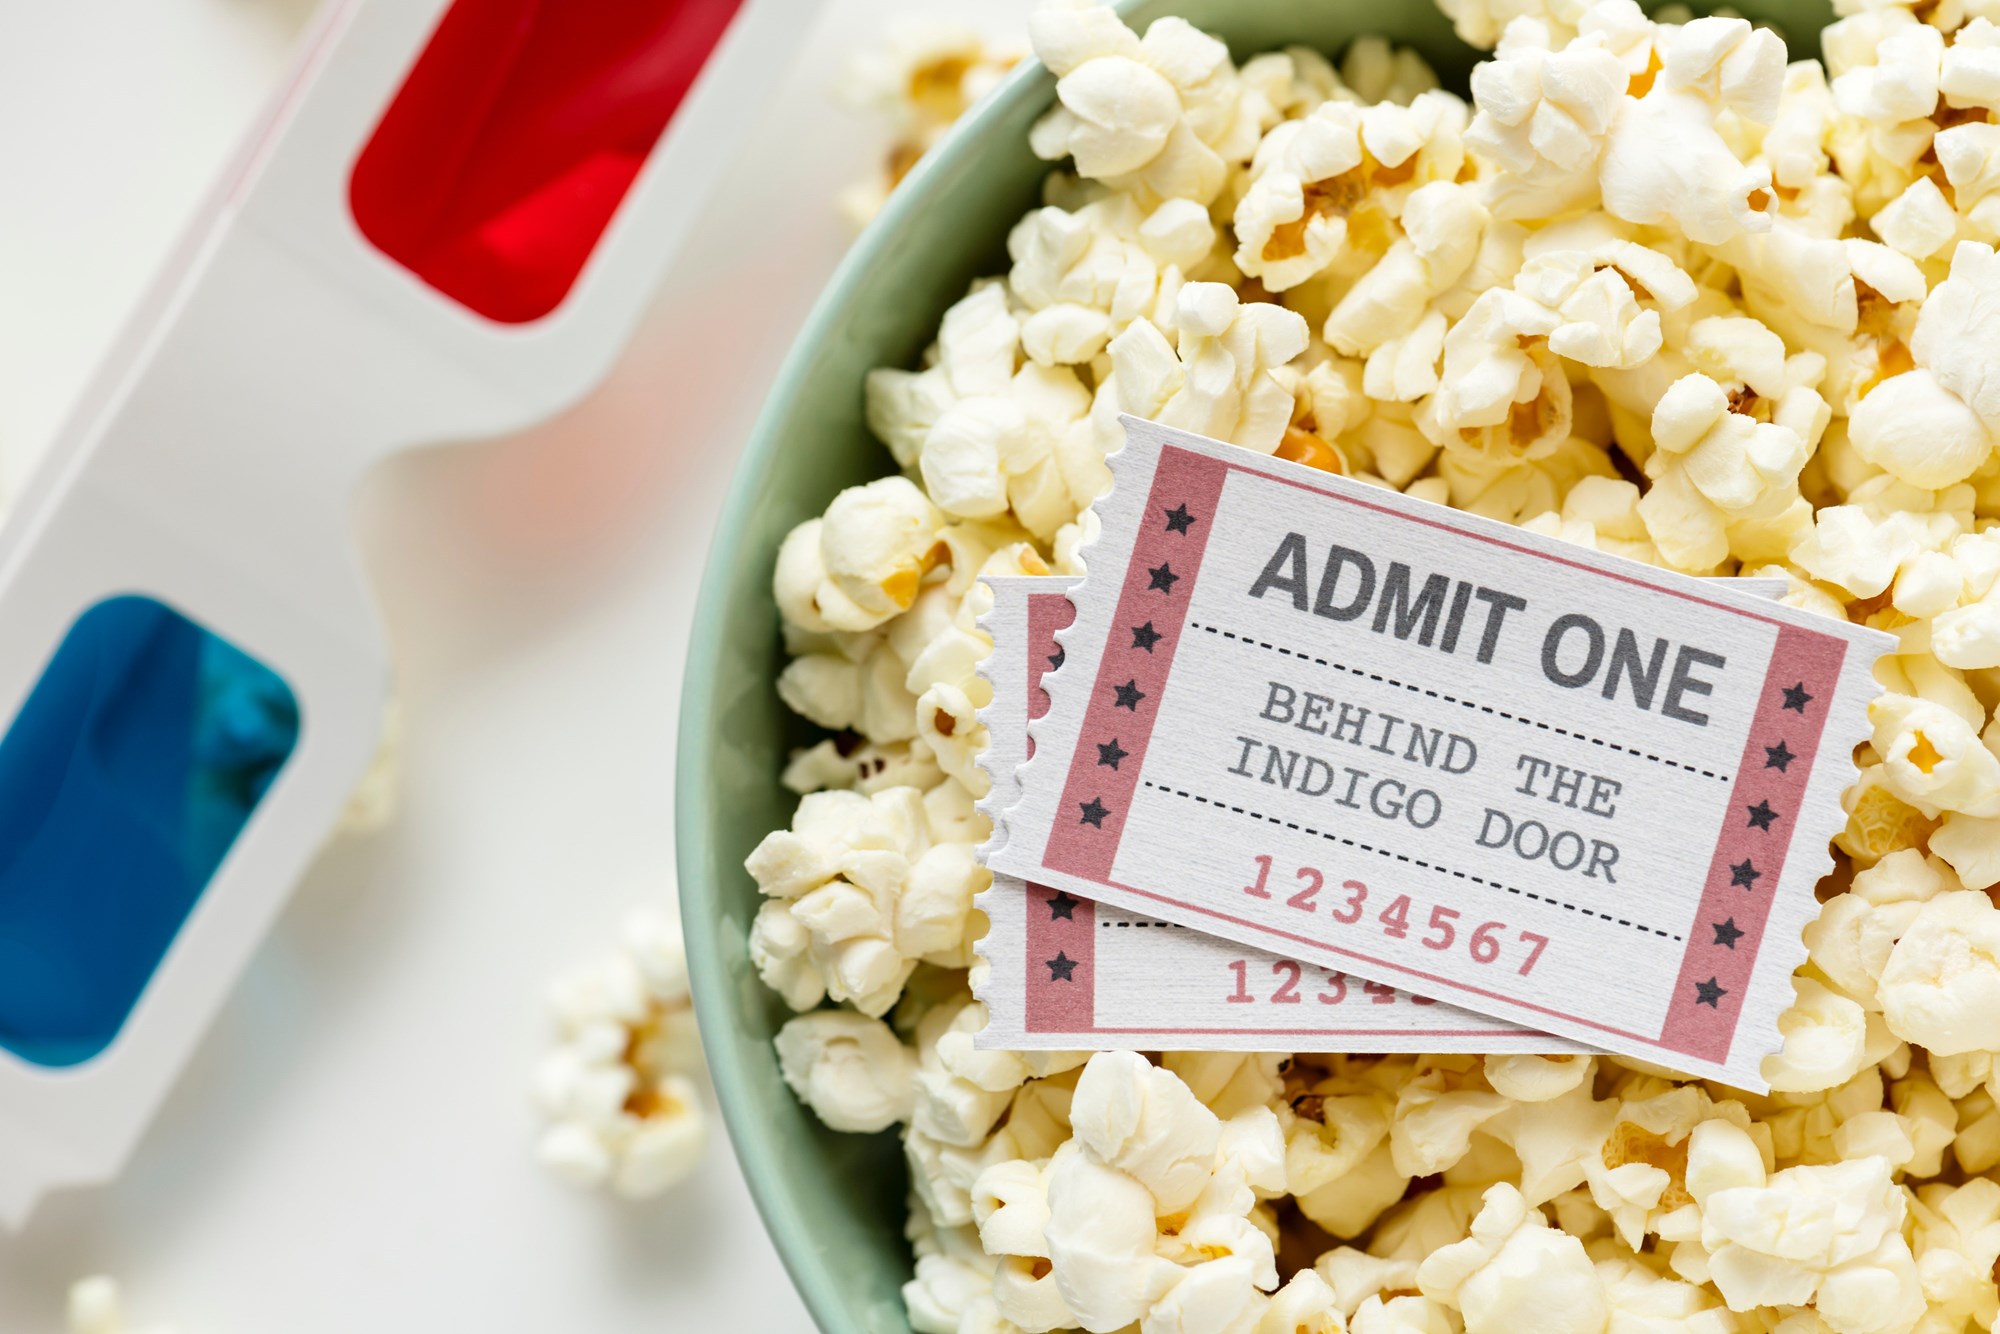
<point x="835" y="1203"/>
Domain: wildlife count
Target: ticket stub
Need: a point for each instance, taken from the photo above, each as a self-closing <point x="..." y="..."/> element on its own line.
<point x="1549" y="784"/>
<point x="1064" y="972"/>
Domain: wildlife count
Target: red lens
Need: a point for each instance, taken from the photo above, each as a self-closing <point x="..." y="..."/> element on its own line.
<point x="506" y="151"/>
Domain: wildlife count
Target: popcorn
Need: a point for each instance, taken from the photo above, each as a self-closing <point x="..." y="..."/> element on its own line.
<point x="851" y="1070"/>
<point x="1305" y="1305"/>
<point x="1227" y="1082"/>
<point x="1639" y="1175"/>
<point x="1101" y="1234"/>
<point x="1902" y="83"/>
<point x="1351" y="1205"/>
<point x="1793" y="143"/>
<point x="1940" y="987"/>
<point x="1218" y="381"/>
<point x="1395" y="301"/>
<point x="1664" y="162"/>
<point x="1329" y="1133"/>
<point x="1971" y="847"/>
<point x="1085" y="275"/>
<point x="1851" y="940"/>
<point x="1545" y="117"/>
<point x="1437" y="1113"/>
<point x="1374" y="71"/>
<point x="1515" y="1272"/>
<point x="1159" y="114"/>
<point x="1011" y="1206"/>
<point x="1913" y="427"/>
<point x="1918" y="222"/>
<point x="1714" y="470"/>
<point x="1032" y="1125"/>
<point x="1957" y="1242"/>
<point x="1480" y="22"/>
<point x="1600" y="512"/>
<point x="1826" y="1041"/>
<point x="1293" y="220"/>
<point x="987" y="434"/>
<point x="861" y="564"/>
<point x="961" y="1093"/>
<point x="1976" y="1147"/>
<point x="1642" y="1302"/>
<point x="1961" y="313"/>
<point x="1147" y="1124"/>
<point x="622" y="1110"/>
<point x="921" y="78"/>
<point x="945" y="1291"/>
<point x="863" y="888"/>
<point x="1847" y="548"/>
<point x="1932" y="757"/>
<point x="1803" y="1128"/>
<point x="1555" y="1139"/>
<point x="1827" y="1235"/>
<point x="1924" y="1115"/>
<point x="1502" y="392"/>
<point x="1532" y="1078"/>
<point x="1175" y="1245"/>
<point x="1335" y="180"/>
<point x="1603" y="323"/>
<point x="1966" y="636"/>
<point x="1356" y="1276"/>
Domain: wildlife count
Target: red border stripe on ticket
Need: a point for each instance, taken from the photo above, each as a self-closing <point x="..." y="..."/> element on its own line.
<point x="1770" y="791"/>
<point x="1047" y="613"/>
<point x="1062" y="962"/>
<point x="1125" y="698"/>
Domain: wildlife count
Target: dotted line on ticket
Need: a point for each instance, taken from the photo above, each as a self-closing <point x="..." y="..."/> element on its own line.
<point x="1404" y="857"/>
<point x="1463" y="703"/>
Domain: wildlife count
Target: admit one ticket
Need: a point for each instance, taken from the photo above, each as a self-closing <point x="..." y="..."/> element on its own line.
<point x="1061" y="971"/>
<point x="1540" y="782"/>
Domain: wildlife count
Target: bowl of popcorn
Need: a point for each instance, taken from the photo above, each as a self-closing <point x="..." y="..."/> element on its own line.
<point x="1717" y="294"/>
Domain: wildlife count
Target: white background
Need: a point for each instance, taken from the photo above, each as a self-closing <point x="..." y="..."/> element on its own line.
<point x="350" y="1149"/>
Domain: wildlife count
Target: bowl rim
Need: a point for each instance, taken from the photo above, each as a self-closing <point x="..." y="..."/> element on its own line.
<point x="750" y="1135"/>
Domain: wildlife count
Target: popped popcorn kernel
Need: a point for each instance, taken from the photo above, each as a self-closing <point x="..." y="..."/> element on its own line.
<point x="851" y="1070"/>
<point x="1878" y="821"/>
<point x="622" y="1109"/>
<point x="920" y="79"/>
<point x="1515" y="1272"/>
<point x="1666" y="164"/>
<point x="1940" y="985"/>
<point x="1829" y="1236"/>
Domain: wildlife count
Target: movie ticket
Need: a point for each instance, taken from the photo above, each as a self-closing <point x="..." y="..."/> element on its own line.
<point x="1549" y="784"/>
<point x="1064" y="972"/>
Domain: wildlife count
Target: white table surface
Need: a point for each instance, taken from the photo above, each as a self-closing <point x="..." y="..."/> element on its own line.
<point x="350" y="1150"/>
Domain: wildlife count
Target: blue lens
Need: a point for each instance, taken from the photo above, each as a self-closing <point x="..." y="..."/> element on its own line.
<point x="135" y="763"/>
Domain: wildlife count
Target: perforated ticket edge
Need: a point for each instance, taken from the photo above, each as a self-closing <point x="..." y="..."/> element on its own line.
<point x="1767" y="991"/>
<point x="1060" y="1011"/>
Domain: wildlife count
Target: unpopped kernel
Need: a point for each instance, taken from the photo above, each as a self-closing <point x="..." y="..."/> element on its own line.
<point x="1652" y="289"/>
